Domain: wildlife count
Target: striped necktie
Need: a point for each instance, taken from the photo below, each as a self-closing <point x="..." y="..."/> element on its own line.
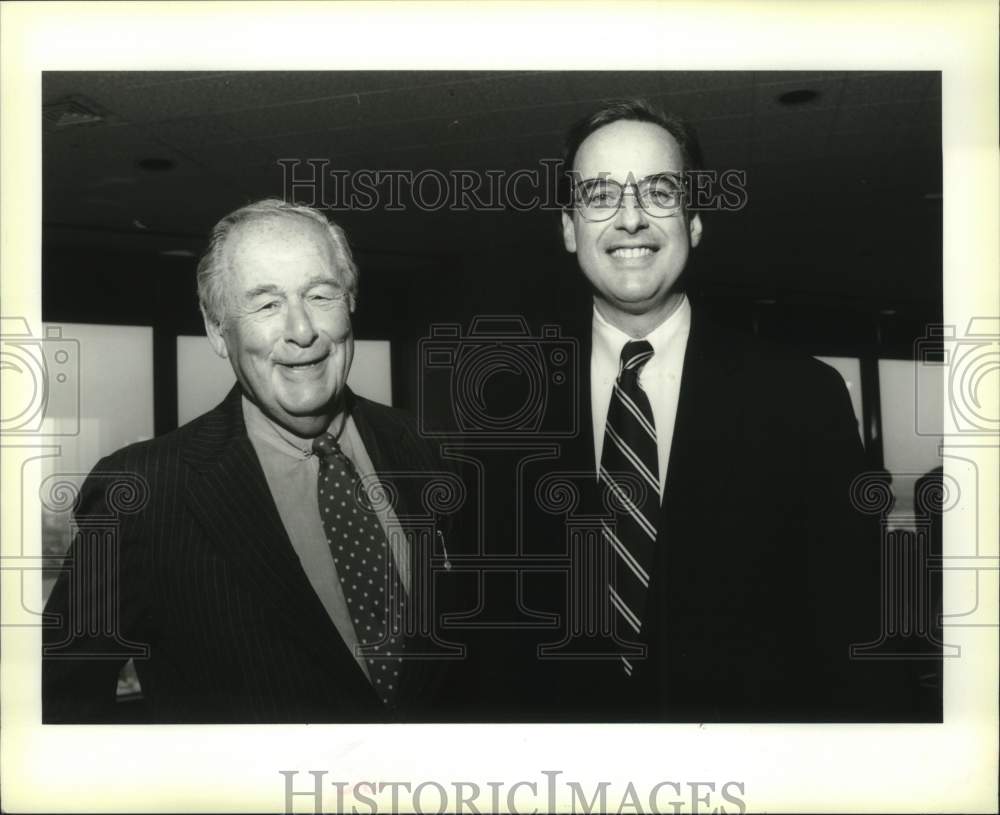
<point x="630" y="472"/>
<point x="365" y="567"/>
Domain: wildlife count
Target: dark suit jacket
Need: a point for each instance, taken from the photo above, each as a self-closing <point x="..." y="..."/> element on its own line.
<point x="765" y="573"/>
<point x="182" y="562"/>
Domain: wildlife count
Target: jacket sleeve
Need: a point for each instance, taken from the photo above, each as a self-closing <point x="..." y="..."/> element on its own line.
<point x="96" y="601"/>
<point x="845" y="564"/>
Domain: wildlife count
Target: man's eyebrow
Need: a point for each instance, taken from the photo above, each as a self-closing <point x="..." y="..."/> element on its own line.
<point x="322" y="280"/>
<point x="271" y="288"/>
<point x="630" y="178"/>
<point x="264" y="288"/>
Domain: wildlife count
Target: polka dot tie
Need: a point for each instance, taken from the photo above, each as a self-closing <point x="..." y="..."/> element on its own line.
<point x="366" y="570"/>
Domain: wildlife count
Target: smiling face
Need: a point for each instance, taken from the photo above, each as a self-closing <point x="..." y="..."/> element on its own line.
<point x="632" y="260"/>
<point x="287" y="331"/>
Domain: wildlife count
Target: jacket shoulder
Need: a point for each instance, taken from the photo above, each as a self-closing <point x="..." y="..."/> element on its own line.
<point x="384" y="415"/>
<point x="154" y="469"/>
<point x="148" y="451"/>
<point x="397" y="432"/>
<point x="770" y="362"/>
<point x="778" y="385"/>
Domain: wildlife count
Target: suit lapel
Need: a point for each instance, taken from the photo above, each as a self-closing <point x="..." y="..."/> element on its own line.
<point x="228" y="493"/>
<point x="392" y="450"/>
<point x="578" y="452"/>
<point x="389" y="450"/>
<point x="707" y="414"/>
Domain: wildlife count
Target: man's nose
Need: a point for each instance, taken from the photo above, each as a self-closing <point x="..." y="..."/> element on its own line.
<point x="631" y="216"/>
<point x="299" y="326"/>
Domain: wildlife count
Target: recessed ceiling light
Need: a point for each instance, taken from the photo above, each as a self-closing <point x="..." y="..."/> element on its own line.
<point x="798" y="97"/>
<point x="177" y="253"/>
<point x="155" y="165"/>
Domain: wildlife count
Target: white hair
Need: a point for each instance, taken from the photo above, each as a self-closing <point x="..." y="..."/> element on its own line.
<point x="212" y="289"/>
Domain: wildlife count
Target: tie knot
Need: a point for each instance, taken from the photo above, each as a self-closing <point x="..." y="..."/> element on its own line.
<point x="635" y="354"/>
<point x="326" y="446"/>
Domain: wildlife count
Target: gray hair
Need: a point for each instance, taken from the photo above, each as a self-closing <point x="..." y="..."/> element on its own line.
<point x="212" y="290"/>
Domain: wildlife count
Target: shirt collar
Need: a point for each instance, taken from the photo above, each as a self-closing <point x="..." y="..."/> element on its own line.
<point x="263" y="430"/>
<point x="609" y="340"/>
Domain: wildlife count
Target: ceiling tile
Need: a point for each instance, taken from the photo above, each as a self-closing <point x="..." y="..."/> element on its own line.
<point x="56" y="84"/>
<point x="788" y="147"/>
<point x="593" y="85"/>
<point x="727" y="154"/>
<point x="885" y="117"/>
<point x="889" y="86"/>
<point x="193" y="95"/>
<point x="723" y="129"/>
<point x="191" y="131"/>
<point x="862" y="143"/>
<point x="85" y="155"/>
<point x="708" y="104"/>
<point x="803" y="124"/>
<point x="689" y="81"/>
<point x="796" y="77"/>
<point x="326" y="114"/>
<point x="240" y="164"/>
<point x="441" y="135"/>
<point x="458" y="99"/>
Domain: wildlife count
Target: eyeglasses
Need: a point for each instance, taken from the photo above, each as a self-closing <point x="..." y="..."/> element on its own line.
<point x="598" y="199"/>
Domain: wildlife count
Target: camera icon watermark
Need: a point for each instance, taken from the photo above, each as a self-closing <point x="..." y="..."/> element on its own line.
<point x="498" y="380"/>
<point x="972" y="364"/>
<point x="41" y="381"/>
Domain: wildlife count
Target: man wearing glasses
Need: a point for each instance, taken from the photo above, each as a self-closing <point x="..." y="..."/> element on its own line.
<point x="737" y="571"/>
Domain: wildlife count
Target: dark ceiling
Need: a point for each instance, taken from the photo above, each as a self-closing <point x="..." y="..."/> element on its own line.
<point x="843" y="190"/>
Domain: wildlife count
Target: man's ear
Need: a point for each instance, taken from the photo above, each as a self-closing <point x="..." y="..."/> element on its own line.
<point x="215" y="335"/>
<point x="569" y="231"/>
<point x="694" y="227"/>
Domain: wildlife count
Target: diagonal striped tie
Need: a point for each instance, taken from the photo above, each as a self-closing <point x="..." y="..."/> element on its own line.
<point x="630" y="471"/>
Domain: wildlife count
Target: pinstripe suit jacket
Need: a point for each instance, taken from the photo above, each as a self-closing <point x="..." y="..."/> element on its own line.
<point x="181" y="561"/>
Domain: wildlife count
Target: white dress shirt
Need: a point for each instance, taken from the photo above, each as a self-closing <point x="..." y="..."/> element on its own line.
<point x="292" y="472"/>
<point x="660" y="378"/>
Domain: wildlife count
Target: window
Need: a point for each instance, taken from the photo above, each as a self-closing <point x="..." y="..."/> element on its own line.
<point x="104" y="403"/>
<point x="100" y="399"/>
<point x="912" y="402"/>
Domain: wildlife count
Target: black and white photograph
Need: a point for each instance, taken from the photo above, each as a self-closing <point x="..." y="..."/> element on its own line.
<point x="498" y="404"/>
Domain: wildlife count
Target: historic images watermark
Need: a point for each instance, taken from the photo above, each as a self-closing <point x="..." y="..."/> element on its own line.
<point x="41" y="375"/>
<point x="970" y="359"/>
<point x="539" y="409"/>
<point x="39" y="408"/>
<point x="318" y="794"/>
<point x="456" y="369"/>
<point x="313" y="182"/>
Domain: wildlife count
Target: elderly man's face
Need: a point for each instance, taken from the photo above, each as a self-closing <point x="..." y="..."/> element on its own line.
<point x="288" y="328"/>
<point x="632" y="260"/>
